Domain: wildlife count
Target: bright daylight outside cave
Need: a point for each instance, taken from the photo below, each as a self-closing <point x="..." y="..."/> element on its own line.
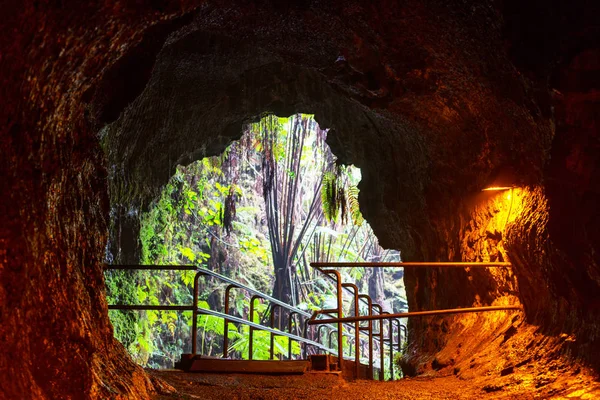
<point x="304" y="199"/>
<point x="254" y="217"/>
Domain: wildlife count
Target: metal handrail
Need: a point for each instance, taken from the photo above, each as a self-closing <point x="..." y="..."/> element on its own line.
<point x="414" y="314"/>
<point x="227" y="317"/>
<point x="264" y="328"/>
<point x="381" y="342"/>
<point x="447" y="264"/>
<point x="279" y="303"/>
<point x="256" y="292"/>
<point x="387" y="316"/>
<point x="131" y="267"/>
<point x="457" y="264"/>
<point x="317" y="266"/>
<point x="214" y="275"/>
<point x="311" y="319"/>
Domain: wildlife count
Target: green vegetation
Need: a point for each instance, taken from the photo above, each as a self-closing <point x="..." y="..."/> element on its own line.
<point x="273" y="202"/>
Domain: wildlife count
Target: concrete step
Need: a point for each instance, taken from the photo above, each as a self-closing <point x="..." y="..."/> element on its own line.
<point x="265" y="367"/>
<point x="316" y="364"/>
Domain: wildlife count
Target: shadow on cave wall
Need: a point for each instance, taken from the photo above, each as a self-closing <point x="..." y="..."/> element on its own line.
<point x="418" y="175"/>
<point x="198" y="100"/>
<point x="205" y="84"/>
<point x="427" y="105"/>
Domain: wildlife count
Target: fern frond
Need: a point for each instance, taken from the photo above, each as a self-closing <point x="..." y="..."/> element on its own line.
<point x="329" y="197"/>
<point x="355" y="213"/>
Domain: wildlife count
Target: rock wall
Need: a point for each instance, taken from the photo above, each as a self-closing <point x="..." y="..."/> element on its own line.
<point x="556" y="244"/>
<point x="54" y="330"/>
<point x="423" y="96"/>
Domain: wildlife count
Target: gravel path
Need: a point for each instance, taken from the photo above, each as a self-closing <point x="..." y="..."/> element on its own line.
<point x="320" y="386"/>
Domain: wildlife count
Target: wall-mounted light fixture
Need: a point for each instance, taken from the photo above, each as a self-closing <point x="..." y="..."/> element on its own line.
<point x="504" y="179"/>
<point x="492" y="188"/>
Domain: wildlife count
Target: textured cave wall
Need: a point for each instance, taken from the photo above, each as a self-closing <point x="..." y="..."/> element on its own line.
<point x="423" y="96"/>
<point x="553" y="239"/>
<point x="419" y="110"/>
<point x="427" y="116"/>
<point x="556" y="244"/>
<point x="573" y="189"/>
<point x="473" y="230"/>
<point x="56" y="339"/>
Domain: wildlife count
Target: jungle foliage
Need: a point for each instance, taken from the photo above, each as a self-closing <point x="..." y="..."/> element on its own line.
<point x="273" y="202"/>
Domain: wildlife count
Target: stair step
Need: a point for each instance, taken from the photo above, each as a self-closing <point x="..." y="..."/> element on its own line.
<point x="267" y="367"/>
<point x="316" y="364"/>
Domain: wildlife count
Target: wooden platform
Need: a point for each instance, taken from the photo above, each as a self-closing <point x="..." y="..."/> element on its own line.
<point x="316" y="364"/>
<point x="266" y="367"/>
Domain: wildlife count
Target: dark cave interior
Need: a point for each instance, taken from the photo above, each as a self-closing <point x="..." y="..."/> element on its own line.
<point x="430" y="99"/>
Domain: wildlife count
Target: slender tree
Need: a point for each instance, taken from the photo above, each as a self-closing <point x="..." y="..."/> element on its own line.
<point x="291" y="190"/>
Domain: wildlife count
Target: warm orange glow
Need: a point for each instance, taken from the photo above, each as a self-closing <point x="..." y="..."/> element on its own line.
<point x="497" y="188"/>
<point x="507" y="206"/>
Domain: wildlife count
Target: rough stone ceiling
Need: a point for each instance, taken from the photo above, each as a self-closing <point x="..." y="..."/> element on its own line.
<point x="418" y="111"/>
<point x="430" y="98"/>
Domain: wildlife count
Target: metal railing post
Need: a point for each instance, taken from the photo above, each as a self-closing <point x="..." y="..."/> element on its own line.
<point x="272" y="339"/>
<point x="369" y="329"/>
<point x="305" y="348"/>
<point x="356" y="328"/>
<point x="391" y="342"/>
<point x="340" y="312"/>
<point x="251" y="329"/>
<point x="403" y="328"/>
<point x="398" y="335"/>
<point x="226" y="322"/>
<point x="399" y="340"/>
<point x="319" y="332"/>
<point x="195" y="316"/>
<point x="290" y="322"/>
<point x="329" y="337"/>
<point x="381" y="344"/>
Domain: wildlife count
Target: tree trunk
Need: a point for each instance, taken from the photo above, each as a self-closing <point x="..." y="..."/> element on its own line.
<point x="282" y="289"/>
<point x="376" y="286"/>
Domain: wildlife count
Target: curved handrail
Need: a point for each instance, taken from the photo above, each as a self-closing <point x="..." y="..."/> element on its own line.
<point x="265" y="328"/>
<point x="318" y="265"/>
<point x="227" y="317"/>
<point x="262" y="327"/>
<point x="437" y="264"/>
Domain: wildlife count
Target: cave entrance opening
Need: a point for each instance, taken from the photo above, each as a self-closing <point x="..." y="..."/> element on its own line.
<point x="273" y="202"/>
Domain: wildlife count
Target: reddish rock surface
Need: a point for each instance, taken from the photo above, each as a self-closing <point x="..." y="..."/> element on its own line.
<point x="519" y="385"/>
<point x="429" y="98"/>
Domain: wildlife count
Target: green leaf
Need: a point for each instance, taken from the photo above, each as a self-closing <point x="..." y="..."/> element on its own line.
<point x="188" y="278"/>
<point x="189" y="253"/>
<point x="141" y="294"/>
<point x="152" y="317"/>
<point x="144" y="343"/>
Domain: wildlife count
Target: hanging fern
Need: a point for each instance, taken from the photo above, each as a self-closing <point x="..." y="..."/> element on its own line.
<point x="355" y="214"/>
<point x="340" y="198"/>
<point x="330" y="197"/>
<point x="333" y="196"/>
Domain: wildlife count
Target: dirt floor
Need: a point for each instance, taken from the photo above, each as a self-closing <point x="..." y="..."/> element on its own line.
<point x="503" y="359"/>
<point x="322" y="386"/>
